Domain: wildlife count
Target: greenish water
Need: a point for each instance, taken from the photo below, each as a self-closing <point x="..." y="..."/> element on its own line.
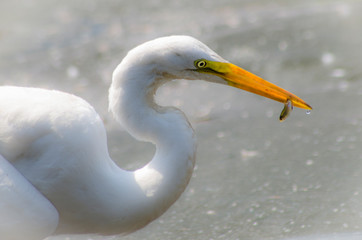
<point x="255" y="178"/>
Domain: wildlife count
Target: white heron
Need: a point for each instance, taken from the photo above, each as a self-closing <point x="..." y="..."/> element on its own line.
<point x="56" y="175"/>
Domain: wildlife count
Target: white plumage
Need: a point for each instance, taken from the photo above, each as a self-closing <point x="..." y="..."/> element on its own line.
<point x="56" y="175"/>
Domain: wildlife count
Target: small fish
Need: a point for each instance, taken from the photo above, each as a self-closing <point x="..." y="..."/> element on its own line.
<point x="288" y="107"/>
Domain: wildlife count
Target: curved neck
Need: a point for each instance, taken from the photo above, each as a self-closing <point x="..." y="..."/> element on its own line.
<point x="165" y="177"/>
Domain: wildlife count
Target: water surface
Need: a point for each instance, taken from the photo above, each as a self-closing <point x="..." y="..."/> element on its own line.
<point x="255" y="178"/>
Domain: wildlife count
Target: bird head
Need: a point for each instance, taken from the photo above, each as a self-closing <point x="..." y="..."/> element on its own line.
<point x="184" y="57"/>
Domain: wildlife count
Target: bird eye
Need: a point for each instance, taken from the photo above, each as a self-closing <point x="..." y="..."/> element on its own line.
<point x="200" y="63"/>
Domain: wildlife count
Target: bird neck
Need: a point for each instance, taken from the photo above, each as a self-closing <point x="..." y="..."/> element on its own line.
<point x="166" y="176"/>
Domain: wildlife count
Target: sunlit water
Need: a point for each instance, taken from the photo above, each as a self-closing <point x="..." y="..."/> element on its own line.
<point x="255" y="178"/>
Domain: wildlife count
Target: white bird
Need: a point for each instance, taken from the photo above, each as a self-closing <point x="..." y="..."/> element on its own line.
<point x="56" y="176"/>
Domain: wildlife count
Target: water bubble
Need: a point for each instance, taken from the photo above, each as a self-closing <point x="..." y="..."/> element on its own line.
<point x="210" y="212"/>
<point x="308" y="112"/>
<point x="72" y="72"/>
<point x="309" y="162"/>
<point x="327" y="58"/>
<point x="338" y="73"/>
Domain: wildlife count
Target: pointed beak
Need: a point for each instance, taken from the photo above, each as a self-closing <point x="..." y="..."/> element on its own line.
<point x="240" y="78"/>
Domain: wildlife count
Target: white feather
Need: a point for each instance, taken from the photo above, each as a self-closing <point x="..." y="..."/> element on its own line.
<point x="56" y="146"/>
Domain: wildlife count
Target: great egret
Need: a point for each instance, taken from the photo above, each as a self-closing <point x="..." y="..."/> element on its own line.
<point x="56" y="175"/>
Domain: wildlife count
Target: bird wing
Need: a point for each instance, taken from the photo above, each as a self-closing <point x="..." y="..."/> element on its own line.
<point x="24" y="212"/>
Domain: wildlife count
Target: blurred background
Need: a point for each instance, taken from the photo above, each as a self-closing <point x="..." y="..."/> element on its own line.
<point x="255" y="178"/>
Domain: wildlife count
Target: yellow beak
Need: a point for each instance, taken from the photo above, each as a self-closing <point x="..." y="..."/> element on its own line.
<point x="240" y="78"/>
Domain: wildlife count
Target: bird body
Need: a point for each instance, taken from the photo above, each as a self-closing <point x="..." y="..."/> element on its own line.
<point x="55" y="144"/>
<point x="61" y="148"/>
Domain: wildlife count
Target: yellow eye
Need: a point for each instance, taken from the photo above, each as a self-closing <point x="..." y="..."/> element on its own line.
<point x="200" y="63"/>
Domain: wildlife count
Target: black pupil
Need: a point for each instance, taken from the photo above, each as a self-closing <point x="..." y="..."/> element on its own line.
<point x="202" y="64"/>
